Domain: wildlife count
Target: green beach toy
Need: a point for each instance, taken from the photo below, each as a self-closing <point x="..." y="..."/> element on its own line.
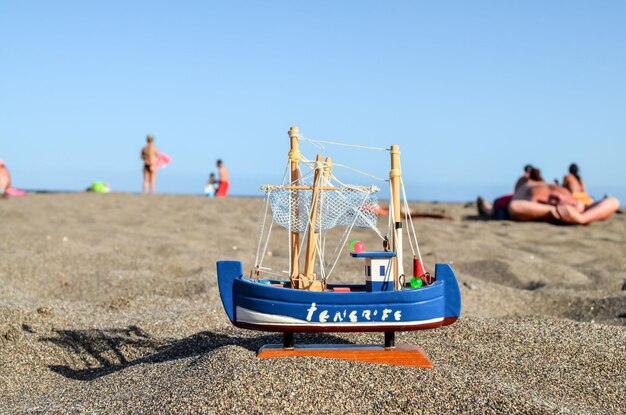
<point x="99" y="187"/>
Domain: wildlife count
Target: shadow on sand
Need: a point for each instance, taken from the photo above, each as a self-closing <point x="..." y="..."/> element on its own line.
<point x="115" y="349"/>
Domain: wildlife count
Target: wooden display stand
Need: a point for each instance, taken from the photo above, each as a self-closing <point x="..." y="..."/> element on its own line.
<point x="387" y="354"/>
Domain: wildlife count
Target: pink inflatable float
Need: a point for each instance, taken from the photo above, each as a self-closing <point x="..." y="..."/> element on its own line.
<point x="13" y="192"/>
<point x="163" y="160"/>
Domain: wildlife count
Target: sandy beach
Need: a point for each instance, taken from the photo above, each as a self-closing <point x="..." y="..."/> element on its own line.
<point x="109" y="304"/>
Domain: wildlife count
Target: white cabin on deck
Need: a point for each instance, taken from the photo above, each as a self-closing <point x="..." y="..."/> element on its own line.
<point x="378" y="267"/>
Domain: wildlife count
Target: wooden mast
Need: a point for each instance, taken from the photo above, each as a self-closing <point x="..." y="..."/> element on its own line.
<point x="396" y="240"/>
<point x="307" y="279"/>
<point x="294" y="159"/>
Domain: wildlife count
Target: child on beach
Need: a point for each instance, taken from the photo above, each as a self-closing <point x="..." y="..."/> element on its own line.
<point x="209" y="189"/>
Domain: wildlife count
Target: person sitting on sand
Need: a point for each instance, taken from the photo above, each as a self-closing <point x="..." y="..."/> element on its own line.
<point x="222" y="181"/>
<point x="574" y="183"/>
<point x="539" y="201"/>
<point x="209" y="189"/>
<point x="149" y="155"/>
<point x="500" y="207"/>
<point x="5" y="180"/>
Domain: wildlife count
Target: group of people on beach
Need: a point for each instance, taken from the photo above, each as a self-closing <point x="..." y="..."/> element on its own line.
<point x="532" y="199"/>
<point x="150" y="155"/>
<point x="535" y="200"/>
<point x="218" y="187"/>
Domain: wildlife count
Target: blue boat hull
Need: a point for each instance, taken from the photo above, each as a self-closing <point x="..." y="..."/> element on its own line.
<point x="256" y="306"/>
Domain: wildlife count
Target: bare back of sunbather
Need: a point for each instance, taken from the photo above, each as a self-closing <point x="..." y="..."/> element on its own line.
<point x="531" y="202"/>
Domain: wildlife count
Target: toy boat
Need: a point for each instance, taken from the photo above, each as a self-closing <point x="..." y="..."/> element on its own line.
<point x="386" y="301"/>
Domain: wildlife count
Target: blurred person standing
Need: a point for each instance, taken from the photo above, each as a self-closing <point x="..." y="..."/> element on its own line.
<point x="149" y="155"/>
<point x="222" y="180"/>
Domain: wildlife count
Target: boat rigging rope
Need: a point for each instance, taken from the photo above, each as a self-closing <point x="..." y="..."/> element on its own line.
<point x="262" y="231"/>
<point x="290" y="234"/>
<point x="259" y="261"/>
<point x="320" y="143"/>
<point x="321" y="240"/>
<point x="316" y="143"/>
<point x="361" y="172"/>
<point x="318" y="244"/>
<point x="311" y="165"/>
<point x="344" y="238"/>
<point x="389" y="218"/>
<point x="407" y="218"/>
<point x="412" y="227"/>
<point x="306" y="229"/>
<point x="320" y="210"/>
<point x="371" y="190"/>
<point x="270" y="271"/>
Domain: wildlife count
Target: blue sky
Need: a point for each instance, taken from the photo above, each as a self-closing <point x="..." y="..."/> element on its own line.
<point x="471" y="91"/>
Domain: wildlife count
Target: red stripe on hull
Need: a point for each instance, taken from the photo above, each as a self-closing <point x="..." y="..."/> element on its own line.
<point x="448" y="320"/>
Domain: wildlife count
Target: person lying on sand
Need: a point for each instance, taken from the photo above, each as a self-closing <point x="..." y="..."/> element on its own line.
<point x="539" y="201"/>
<point x="5" y="180"/>
<point x="499" y="209"/>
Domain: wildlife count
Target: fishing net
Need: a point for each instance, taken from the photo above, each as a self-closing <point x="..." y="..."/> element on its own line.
<point x="343" y="207"/>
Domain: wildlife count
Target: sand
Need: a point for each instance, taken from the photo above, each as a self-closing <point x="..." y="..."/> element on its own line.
<point x="109" y="304"/>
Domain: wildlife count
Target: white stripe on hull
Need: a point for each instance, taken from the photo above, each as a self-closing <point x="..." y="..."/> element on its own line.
<point x="245" y="315"/>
